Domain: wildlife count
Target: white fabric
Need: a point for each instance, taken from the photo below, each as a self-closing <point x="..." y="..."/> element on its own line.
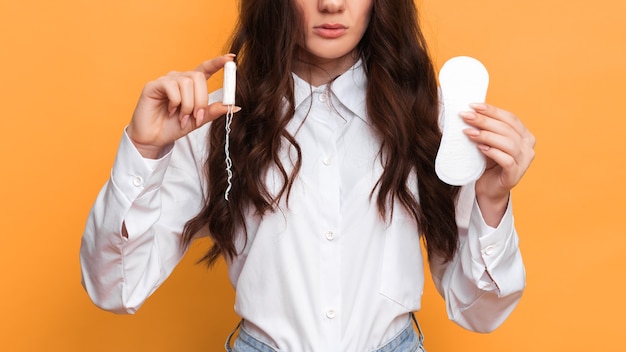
<point x="325" y="274"/>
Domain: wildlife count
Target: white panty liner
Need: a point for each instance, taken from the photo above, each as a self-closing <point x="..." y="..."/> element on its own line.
<point x="463" y="80"/>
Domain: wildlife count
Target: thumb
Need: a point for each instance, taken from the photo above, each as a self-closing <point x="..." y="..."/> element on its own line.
<point x="215" y="110"/>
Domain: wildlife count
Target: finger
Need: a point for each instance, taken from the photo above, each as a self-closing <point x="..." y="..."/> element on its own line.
<point x="513" y="169"/>
<point x="521" y="150"/>
<point x="508" y="165"/>
<point x="186" y="87"/>
<point x="511" y="145"/>
<point x="484" y="122"/>
<point x="216" y="110"/>
<point x="162" y="89"/>
<point x="502" y="126"/>
<point x="501" y="115"/>
<point x="502" y="148"/>
<point x="209" y="67"/>
<point x="200" y="96"/>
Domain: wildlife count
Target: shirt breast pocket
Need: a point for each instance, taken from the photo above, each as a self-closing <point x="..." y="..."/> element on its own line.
<point x="402" y="272"/>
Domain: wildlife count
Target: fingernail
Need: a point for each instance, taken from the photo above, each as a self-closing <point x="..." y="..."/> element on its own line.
<point x="468" y="115"/>
<point x="184" y="121"/>
<point x="478" y="106"/>
<point x="472" y="132"/>
<point x="231" y="55"/>
<point x="484" y="147"/>
<point x="199" y="116"/>
<point x="236" y="109"/>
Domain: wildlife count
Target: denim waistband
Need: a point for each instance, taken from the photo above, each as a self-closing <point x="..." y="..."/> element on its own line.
<point x="407" y="340"/>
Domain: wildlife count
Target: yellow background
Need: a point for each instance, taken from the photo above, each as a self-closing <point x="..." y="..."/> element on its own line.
<point x="72" y="71"/>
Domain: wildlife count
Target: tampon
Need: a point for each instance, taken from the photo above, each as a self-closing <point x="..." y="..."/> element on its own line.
<point x="230" y="82"/>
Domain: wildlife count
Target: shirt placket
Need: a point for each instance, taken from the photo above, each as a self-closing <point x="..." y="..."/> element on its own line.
<point x="329" y="238"/>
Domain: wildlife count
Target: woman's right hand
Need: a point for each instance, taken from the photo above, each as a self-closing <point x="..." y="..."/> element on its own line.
<point x="172" y="106"/>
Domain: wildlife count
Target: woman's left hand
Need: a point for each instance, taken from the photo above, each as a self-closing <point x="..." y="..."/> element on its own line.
<point x="509" y="148"/>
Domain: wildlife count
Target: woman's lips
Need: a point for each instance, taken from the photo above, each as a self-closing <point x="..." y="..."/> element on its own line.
<point x="330" y="31"/>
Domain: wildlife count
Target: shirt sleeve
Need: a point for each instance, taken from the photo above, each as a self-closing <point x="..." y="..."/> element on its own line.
<point x="484" y="281"/>
<point x="154" y="199"/>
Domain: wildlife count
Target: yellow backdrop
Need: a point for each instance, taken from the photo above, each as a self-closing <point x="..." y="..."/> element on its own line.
<point x="72" y="71"/>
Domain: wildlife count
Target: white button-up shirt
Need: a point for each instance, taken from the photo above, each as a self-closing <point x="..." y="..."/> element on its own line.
<point x="326" y="273"/>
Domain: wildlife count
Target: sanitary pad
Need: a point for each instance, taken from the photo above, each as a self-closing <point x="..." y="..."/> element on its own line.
<point x="463" y="80"/>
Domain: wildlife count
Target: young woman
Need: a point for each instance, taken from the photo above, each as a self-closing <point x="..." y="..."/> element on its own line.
<point x="333" y="185"/>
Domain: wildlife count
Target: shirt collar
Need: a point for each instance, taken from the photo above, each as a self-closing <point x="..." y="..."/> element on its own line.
<point x="349" y="89"/>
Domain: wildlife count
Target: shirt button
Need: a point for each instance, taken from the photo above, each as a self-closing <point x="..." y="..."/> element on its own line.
<point x="323" y="97"/>
<point x="330" y="235"/>
<point x="327" y="160"/>
<point x="137" y="181"/>
<point x="331" y="314"/>
<point x="489" y="250"/>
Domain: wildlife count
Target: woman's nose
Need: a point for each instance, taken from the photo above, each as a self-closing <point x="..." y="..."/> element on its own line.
<point x="331" y="5"/>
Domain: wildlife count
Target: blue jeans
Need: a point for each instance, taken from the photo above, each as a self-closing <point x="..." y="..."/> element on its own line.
<point x="408" y="340"/>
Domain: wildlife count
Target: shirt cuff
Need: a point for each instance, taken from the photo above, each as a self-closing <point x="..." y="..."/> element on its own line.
<point x="134" y="175"/>
<point x="498" y="249"/>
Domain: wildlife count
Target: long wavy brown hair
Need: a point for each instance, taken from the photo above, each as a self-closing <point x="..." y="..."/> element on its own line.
<point x="402" y="103"/>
